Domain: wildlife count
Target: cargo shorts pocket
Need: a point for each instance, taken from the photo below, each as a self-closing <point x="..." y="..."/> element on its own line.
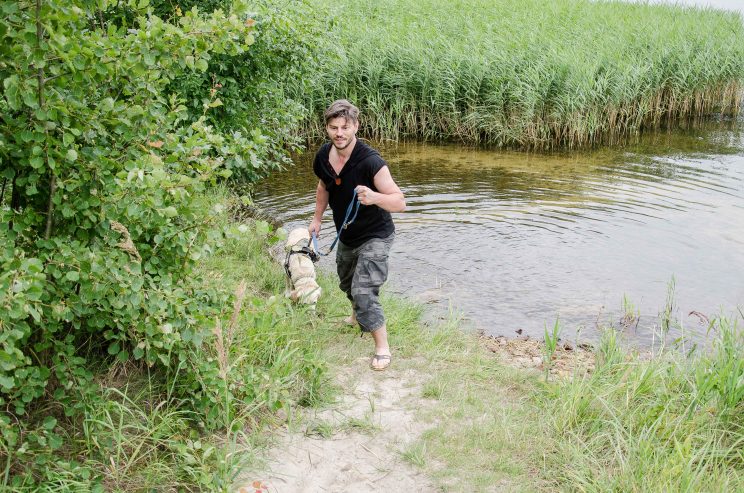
<point x="373" y="271"/>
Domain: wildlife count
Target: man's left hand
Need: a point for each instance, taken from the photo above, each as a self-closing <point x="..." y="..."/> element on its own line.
<point x="366" y="195"/>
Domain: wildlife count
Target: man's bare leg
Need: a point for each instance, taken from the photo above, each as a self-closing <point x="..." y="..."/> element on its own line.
<point x="381" y="348"/>
<point x="351" y="320"/>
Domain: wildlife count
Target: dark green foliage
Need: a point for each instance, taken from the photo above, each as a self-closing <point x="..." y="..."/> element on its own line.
<point x="102" y="163"/>
<point x="245" y="93"/>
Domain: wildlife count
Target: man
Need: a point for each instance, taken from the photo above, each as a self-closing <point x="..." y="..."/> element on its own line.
<point x="344" y="165"/>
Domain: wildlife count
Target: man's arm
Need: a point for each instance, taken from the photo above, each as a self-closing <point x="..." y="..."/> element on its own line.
<point x="321" y="203"/>
<point x="388" y="195"/>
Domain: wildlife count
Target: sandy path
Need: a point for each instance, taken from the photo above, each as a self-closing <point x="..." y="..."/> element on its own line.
<point x="354" y="445"/>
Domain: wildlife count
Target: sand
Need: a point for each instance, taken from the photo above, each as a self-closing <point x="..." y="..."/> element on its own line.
<point x="354" y="445"/>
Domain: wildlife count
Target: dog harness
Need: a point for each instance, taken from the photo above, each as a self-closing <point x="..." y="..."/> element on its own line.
<point x="314" y="253"/>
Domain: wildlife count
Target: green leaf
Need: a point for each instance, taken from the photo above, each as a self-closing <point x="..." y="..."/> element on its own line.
<point x="114" y="348"/>
<point x="7" y="362"/>
<point x="33" y="265"/>
<point x="71" y="155"/>
<point x="50" y="422"/>
<point x="202" y="65"/>
<point x="7" y="382"/>
<point x="10" y="7"/>
<point x="73" y="276"/>
<point x="138" y="352"/>
<point x="11" y="92"/>
<point x="107" y="104"/>
<point x="55" y="441"/>
<point x="262" y="227"/>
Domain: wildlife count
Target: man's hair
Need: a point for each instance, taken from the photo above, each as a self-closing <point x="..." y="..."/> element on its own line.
<point x="342" y="108"/>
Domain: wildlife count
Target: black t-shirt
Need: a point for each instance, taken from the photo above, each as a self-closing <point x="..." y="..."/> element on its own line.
<point x="360" y="169"/>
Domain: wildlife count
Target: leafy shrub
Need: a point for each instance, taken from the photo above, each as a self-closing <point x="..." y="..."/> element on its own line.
<point x="101" y="169"/>
<point x="245" y="92"/>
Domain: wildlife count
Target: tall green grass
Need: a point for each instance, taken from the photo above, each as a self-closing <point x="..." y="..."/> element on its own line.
<point x="524" y="73"/>
<point x="674" y="422"/>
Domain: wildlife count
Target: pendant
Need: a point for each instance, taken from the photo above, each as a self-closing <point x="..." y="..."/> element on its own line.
<point x="338" y="180"/>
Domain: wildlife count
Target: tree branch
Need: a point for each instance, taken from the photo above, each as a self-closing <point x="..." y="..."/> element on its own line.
<point x="41" y="83"/>
<point x="50" y="207"/>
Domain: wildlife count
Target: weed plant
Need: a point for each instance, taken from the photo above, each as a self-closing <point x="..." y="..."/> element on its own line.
<point x="551" y="339"/>
<point x="525" y="73"/>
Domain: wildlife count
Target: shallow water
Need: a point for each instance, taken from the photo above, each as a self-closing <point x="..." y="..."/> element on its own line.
<point x="514" y="240"/>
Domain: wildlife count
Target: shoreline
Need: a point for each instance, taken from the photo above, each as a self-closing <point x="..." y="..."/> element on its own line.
<point x="460" y="411"/>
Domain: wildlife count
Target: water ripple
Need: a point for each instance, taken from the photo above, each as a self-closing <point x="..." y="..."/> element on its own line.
<point x="515" y="239"/>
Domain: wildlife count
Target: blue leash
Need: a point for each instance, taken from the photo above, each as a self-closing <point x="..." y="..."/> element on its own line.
<point x="353" y="206"/>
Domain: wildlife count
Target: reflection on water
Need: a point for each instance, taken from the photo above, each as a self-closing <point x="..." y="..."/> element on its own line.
<point x="513" y="240"/>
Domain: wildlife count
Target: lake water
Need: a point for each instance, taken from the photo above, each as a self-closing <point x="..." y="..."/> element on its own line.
<point x="513" y="240"/>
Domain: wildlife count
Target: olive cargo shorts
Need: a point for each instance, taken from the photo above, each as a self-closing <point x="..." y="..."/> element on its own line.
<point x="361" y="272"/>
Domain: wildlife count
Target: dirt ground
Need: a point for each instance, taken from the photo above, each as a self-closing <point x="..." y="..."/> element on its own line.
<point x="358" y="444"/>
<point x="355" y="445"/>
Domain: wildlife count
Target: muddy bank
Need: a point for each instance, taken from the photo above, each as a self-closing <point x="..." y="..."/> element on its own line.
<point x="527" y="352"/>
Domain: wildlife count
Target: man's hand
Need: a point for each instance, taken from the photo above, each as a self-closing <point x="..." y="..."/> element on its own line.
<point x="388" y="195"/>
<point x="314" y="228"/>
<point x="366" y="195"/>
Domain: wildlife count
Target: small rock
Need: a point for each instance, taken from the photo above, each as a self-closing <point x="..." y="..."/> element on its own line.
<point x="522" y="362"/>
<point x="281" y="415"/>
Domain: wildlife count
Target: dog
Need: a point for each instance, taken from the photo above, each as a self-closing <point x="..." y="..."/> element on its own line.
<point x="301" y="284"/>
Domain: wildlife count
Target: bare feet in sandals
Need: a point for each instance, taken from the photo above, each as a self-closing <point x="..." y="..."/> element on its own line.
<point x="380" y="361"/>
<point x="382" y="357"/>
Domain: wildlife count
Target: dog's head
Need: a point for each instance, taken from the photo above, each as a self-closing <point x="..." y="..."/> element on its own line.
<point x="298" y="236"/>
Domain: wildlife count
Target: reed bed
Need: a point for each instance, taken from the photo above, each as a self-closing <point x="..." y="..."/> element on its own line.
<point x="524" y="73"/>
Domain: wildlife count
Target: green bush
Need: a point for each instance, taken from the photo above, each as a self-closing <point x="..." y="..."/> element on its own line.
<point x="101" y="171"/>
<point x="245" y="92"/>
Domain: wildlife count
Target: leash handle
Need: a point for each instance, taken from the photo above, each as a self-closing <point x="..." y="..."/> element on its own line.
<point x="314" y="241"/>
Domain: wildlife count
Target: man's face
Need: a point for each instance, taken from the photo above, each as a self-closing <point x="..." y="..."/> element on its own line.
<point x="341" y="131"/>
